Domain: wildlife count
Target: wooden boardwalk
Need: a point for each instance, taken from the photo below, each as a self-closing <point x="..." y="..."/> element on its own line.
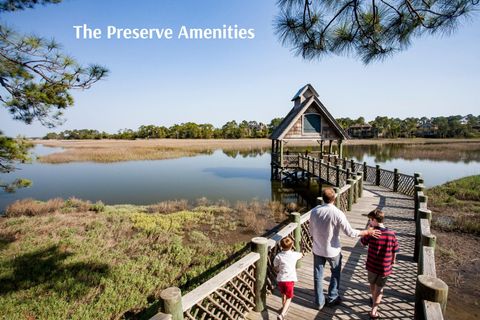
<point x="399" y="295"/>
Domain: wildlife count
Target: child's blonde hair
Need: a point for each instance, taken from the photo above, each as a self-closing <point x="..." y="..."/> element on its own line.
<point x="286" y="243"/>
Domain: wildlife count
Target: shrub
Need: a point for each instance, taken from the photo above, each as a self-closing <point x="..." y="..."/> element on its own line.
<point x="168" y="206"/>
<point x="76" y="205"/>
<point x="173" y="222"/>
<point x="97" y="207"/>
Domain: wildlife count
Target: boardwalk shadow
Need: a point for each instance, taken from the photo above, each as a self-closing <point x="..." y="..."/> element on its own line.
<point x="47" y="270"/>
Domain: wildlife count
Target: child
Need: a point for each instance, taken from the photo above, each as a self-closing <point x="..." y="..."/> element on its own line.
<point x="285" y="266"/>
<point x="380" y="259"/>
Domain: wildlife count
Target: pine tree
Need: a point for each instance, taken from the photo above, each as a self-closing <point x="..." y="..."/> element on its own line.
<point x="35" y="81"/>
<point x="370" y="30"/>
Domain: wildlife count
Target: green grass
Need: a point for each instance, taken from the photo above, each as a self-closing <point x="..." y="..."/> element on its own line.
<point x="456" y="205"/>
<point x="71" y="259"/>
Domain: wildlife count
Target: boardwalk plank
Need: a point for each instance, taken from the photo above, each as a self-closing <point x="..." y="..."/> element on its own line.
<point x="398" y="302"/>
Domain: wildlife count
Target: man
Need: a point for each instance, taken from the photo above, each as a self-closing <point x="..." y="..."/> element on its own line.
<point x="326" y="221"/>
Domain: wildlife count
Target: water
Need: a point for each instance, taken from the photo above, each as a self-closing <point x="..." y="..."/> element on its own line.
<point x="230" y="176"/>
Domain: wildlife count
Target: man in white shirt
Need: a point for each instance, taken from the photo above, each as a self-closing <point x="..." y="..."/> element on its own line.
<point x="326" y="221"/>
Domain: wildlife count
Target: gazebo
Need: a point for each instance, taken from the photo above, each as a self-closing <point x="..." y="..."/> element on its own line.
<point x="307" y="120"/>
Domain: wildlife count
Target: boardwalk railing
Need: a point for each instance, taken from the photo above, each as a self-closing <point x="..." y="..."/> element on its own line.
<point x="335" y="170"/>
<point x="431" y="292"/>
<point x="243" y="286"/>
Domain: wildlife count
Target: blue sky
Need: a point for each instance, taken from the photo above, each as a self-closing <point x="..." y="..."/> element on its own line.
<point x="164" y="82"/>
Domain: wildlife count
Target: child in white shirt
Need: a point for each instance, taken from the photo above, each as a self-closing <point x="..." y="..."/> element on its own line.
<point x="285" y="266"/>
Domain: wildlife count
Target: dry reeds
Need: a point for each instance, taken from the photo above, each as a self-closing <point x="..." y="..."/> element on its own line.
<point x="31" y="207"/>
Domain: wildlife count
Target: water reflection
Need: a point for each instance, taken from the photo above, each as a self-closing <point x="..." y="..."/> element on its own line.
<point x="235" y="172"/>
<point x="465" y="152"/>
<point x="221" y="174"/>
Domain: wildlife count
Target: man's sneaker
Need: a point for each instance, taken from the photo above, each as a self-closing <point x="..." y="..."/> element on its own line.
<point x="335" y="302"/>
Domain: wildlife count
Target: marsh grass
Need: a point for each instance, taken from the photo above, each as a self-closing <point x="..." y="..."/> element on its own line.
<point x="105" y="151"/>
<point x="456" y="205"/>
<point x="32" y="207"/>
<point x="69" y="259"/>
<point x="460" y="151"/>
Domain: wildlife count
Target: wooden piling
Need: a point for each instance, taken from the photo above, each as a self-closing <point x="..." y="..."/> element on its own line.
<point x="297" y="233"/>
<point x="172" y="302"/>
<point x="431" y="289"/>
<point x="350" y="194"/>
<point x="260" y="246"/>
<point x="365" y="168"/>
<point x="360" y="184"/>
<point x="337" y="198"/>
<point x="396" y="178"/>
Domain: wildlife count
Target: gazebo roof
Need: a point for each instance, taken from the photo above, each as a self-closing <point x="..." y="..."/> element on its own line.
<point x="297" y="111"/>
<point x="304" y="89"/>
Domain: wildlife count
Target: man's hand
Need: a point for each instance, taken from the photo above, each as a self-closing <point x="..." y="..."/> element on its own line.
<point x="375" y="233"/>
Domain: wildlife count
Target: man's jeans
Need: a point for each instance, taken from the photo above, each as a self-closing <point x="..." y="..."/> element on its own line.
<point x="318" y="267"/>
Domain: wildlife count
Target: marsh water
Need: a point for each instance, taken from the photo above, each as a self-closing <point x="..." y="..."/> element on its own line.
<point x="228" y="175"/>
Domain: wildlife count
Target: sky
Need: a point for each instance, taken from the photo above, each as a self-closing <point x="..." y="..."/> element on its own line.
<point x="165" y="82"/>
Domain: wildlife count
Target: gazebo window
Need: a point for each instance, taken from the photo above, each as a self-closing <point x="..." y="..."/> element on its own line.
<point x="312" y="123"/>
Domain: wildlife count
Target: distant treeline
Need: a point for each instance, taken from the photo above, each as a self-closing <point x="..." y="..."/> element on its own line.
<point x="189" y="130"/>
<point x="382" y="127"/>
<point x="435" y="127"/>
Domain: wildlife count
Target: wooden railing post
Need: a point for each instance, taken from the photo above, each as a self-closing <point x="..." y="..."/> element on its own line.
<point x="416" y="175"/>
<point x="297" y="234"/>
<point x="425" y="214"/>
<point x="396" y="178"/>
<point x="260" y="246"/>
<point x="352" y="165"/>
<point x="360" y="184"/>
<point x="422" y="202"/>
<point x="431" y="289"/>
<point x="419" y="188"/>
<point x="350" y="194"/>
<point x="377" y="175"/>
<point x="161" y="316"/>
<point x="337" y="198"/>
<point x="337" y="183"/>
<point x="172" y="302"/>
<point x="345" y="163"/>
<point x="320" y="164"/>
<point x="328" y="173"/>
<point x="365" y="169"/>
<point x="355" y="189"/>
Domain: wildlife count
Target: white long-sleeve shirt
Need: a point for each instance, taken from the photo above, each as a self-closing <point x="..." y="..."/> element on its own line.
<point x="326" y="221"/>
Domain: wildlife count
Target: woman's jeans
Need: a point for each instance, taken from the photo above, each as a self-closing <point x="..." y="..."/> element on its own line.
<point x="318" y="267"/>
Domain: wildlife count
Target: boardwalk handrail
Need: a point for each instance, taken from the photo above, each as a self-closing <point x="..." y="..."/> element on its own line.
<point x="235" y="291"/>
<point x="431" y="292"/>
<point x="231" y="293"/>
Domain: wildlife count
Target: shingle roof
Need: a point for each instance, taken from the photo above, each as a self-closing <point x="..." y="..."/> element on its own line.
<point x="284" y="127"/>
<point x="303" y="90"/>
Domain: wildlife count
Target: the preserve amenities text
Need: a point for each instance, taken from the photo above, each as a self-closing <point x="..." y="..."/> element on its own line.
<point x="225" y="32"/>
